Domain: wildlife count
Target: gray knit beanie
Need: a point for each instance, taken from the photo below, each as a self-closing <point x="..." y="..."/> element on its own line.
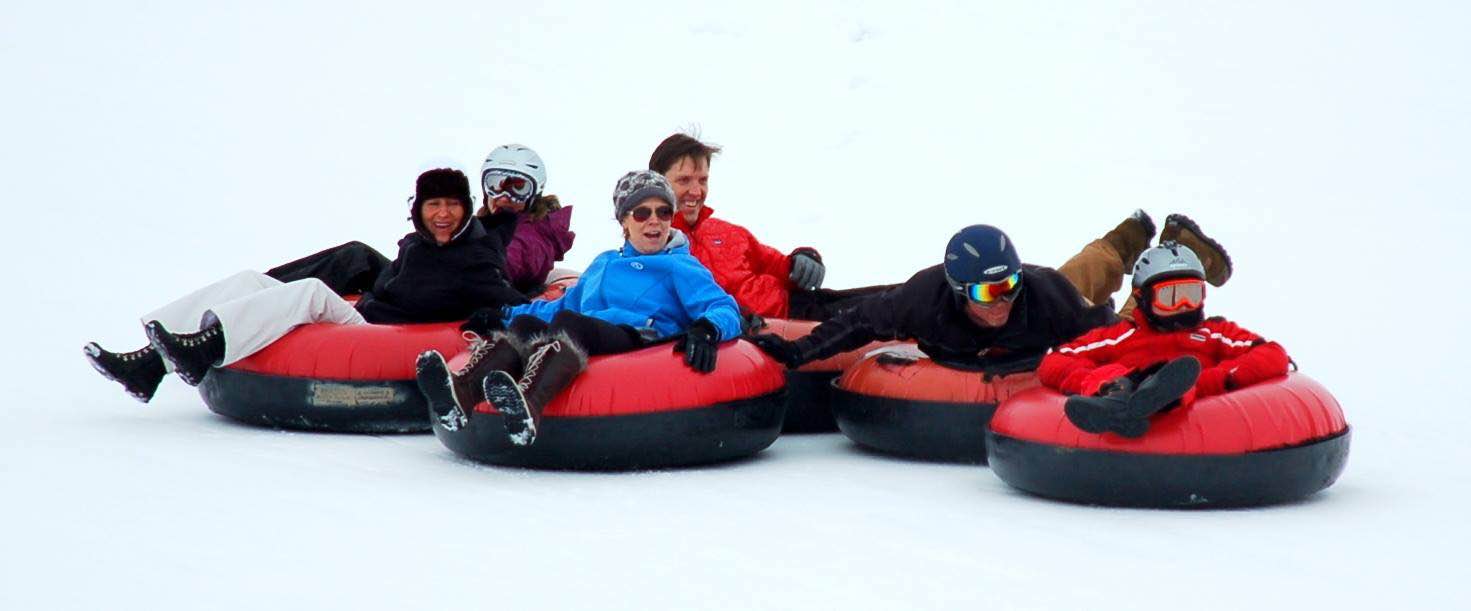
<point x="635" y="187"/>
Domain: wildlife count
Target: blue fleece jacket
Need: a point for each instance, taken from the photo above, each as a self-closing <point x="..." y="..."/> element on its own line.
<point x="660" y="293"/>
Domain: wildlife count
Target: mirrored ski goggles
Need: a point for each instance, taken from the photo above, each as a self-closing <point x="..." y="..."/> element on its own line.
<point x="1176" y="295"/>
<point x="642" y="213"/>
<point x="1005" y="289"/>
<point x="517" y="187"/>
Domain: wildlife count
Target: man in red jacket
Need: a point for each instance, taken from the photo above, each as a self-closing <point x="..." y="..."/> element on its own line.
<point x="1167" y="355"/>
<point x="763" y="280"/>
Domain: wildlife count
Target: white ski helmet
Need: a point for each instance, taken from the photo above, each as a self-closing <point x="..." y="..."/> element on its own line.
<point x="517" y="159"/>
<point x="1168" y="260"/>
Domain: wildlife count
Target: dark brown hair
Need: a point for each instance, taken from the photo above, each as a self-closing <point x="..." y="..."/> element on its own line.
<point x="677" y="147"/>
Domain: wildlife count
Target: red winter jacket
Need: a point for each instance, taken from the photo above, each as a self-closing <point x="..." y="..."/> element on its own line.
<point x="757" y="275"/>
<point x="1230" y="356"/>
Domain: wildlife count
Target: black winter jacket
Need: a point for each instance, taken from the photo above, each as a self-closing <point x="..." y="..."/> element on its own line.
<point x="432" y="283"/>
<point x="1048" y="312"/>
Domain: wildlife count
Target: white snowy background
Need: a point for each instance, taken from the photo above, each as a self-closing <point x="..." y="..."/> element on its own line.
<point x="147" y="148"/>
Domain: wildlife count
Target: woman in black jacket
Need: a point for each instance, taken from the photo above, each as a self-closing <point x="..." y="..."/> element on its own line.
<point x="445" y="270"/>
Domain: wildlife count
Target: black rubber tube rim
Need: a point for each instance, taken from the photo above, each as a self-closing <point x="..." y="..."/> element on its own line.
<point x="310" y="404"/>
<point x="927" y="430"/>
<point x="809" y="402"/>
<point x="656" y="440"/>
<point x="1101" y="477"/>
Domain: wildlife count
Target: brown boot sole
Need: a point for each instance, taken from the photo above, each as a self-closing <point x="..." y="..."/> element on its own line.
<point x="1182" y="229"/>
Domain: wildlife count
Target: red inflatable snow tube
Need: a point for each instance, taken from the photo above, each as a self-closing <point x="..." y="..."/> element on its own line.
<point x="341" y="378"/>
<point x="338" y="378"/>
<point x="641" y="410"/>
<point x="898" y="401"/>
<point x="810" y="387"/>
<point x="1273" y="442"/>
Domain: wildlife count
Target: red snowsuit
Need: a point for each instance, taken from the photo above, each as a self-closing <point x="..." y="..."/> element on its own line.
<point x="755" y="274"/>
<point x="1230" y="356"/>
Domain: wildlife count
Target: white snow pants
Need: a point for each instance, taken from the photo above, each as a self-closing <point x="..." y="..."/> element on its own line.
<point x="254" y="310"/>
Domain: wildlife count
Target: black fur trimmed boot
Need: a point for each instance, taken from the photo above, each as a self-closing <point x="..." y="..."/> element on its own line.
<point x="191" y="354"/>
<point x="551" y="364"/>
<point x="452" y="395"/>
<point x="1213" y="256"/>
<point x="139" y="371"/>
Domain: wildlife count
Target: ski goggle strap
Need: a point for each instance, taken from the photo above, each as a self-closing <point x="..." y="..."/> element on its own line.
<point x="1005" y="289"/>
<point x="1176" y="295"/>
<point x="500" y="183"/>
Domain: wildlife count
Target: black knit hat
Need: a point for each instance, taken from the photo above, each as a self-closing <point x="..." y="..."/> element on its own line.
<point x="442" y="182"/>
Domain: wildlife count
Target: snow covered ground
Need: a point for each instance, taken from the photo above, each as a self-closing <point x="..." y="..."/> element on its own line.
<point x="152" y="147"/>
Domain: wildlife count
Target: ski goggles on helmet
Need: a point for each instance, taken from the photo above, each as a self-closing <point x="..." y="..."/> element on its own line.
<point x="642" y="213"/>
<point x="518" y="187"/>
<point x="1178" y="295"/>
<point x="1005" y="289"/>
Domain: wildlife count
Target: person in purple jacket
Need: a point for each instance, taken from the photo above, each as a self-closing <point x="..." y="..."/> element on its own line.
<point x="513" y="178"/>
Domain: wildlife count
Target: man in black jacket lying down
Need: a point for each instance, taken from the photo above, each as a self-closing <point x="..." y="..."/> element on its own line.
<point x="981" y="309"/>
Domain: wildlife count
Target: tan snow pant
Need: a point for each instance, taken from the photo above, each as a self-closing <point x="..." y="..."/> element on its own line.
<point x="1097" y="272"/>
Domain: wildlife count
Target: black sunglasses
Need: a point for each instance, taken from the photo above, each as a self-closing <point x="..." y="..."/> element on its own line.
<point x="641" y="213"/>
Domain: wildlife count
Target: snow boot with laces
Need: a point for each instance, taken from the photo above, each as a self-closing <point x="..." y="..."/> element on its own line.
<point x="551" y="364"/>
<point x="452" y="395"/>
<point x="139" y="371"/>
<point x="191" y="354"/>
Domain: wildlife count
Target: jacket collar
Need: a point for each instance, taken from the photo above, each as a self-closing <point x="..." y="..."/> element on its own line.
<point x="683" y="225"/>
<point x="678" y="243"/>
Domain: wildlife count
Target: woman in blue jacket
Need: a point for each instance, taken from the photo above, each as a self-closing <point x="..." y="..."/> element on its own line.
<point x="648" y="291"/>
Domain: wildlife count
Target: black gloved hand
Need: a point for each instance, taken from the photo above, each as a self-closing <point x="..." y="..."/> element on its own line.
<point x="751" y="323"/>
<point x="807" y="269"/>
<point x="485" y="321"/>
<point x="1117" y="386"/>
<point x="699" y="344"/>
<point x="780" y="349"/>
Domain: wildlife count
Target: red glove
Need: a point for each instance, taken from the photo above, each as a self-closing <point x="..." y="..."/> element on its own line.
<point x="1213" y="381"/>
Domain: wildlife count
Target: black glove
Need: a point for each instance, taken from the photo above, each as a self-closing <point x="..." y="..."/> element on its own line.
<point x="1117" y="386"/>
<point x="485" y="321"/>
<point x="699" y="344"/>
<point x="752" y="322"/>
<point x="780" y="349"/>
<point x="807" y="269"/>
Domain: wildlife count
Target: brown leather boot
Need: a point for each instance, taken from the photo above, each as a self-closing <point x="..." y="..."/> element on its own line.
<point x="1180" y="228"/>
<point x="452" y="395"/>
<point x="551" y="364"/>
<point x="1131" y="236"/>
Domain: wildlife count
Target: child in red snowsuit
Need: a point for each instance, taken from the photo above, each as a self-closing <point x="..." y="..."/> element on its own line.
<point x="1168" y="355"/>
